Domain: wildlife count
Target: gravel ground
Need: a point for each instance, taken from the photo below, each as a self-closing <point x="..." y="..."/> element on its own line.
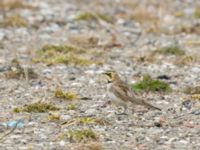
<point x="125" y="33"/>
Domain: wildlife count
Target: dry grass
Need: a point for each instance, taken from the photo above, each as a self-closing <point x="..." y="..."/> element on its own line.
<point x="79" y="135"/>
<point x="14" y="4"/>
<point x="14" y="21"/>
<point x="59" y="93"/>
<point x="88" y="16"/>
<point x="85" y="41"/>
<point x="187" y="60"/>
<point x="170" y="50"/>
<point x="69" y="55"/>
<point x="89" y="146"/>
<point x="37" y="107"/>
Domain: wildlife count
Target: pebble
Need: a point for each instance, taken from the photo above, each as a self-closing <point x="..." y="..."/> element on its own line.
<point x="62" y="143"/>
<point x="91" y="111"/>
<point x="65" y="117"/>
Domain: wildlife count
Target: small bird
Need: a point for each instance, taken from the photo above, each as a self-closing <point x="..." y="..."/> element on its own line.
<point x="120" y="92"/>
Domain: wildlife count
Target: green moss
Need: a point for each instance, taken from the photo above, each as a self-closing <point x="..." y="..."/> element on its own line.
<point x="38" y="107"/>
<point x="14" y="21"/>
<point x="87" y="16"/>
<point x="81" y="135"/>
<point x="172" y="50"/>
<point x="59" y="93"/>
<point x="148" y="84"/>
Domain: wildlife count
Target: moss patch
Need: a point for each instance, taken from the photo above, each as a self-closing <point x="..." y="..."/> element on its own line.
<point x="38" y="107"/>
<point x="87" y="121"/>
<point x="14" y="21"/>
<point x="170" y="50"/>
<point x="81" y="135"/>
<point x="68" y="54"/>
<point x="149" y="84"/>
<point x="59" y="93"/>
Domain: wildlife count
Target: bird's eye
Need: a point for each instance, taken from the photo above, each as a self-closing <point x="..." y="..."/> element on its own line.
<point x="110" y="74"/>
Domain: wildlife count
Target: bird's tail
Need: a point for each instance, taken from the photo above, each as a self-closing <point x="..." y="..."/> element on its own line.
<point x="151" y="106"/>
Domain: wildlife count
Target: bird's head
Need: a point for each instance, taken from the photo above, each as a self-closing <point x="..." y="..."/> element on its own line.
<point x="111" y="76"/>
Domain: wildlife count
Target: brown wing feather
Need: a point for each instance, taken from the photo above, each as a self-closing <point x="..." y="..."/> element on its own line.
<point x="125" y="93"/>
<point x="122" y="91"/>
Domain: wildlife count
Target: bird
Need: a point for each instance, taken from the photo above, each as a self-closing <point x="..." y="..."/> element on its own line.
<point x="122" y="94"/>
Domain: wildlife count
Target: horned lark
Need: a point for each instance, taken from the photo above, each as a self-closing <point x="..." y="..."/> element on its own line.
<point x="121" y="93"/>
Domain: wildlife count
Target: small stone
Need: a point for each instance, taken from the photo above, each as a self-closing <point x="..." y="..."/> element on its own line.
<point x="183" y="142"/>
<point x="65" y="117"/>
<point x="62" y="143"/>
<point x="196" y="112"/>
<point x="90" y="111"/>
<point x="187" y="104"/>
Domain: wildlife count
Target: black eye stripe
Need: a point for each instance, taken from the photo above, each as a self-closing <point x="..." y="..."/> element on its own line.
<point x="109" y="74"/>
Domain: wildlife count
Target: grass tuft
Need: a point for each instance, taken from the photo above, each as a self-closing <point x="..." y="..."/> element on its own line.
<point x="71" y="107"/>
<point x="59" y="93"/>
<point x="67" y="54"/>
<point x="38" y="107"/>
<point x="187" y="60"/>
<point x="14" y="21"/>
<point x="87" y="16"/>
<point x="149" y="84"/>
<point x="192" y="90"/>
<point x="81" y="135"/>
<point x="87" y="121"/>
<point x="14" y="4"/>
<point x="170" y="50"/>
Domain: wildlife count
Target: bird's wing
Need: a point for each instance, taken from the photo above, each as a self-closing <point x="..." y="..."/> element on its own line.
<point x="125" y="93"/>
<point x="122" y="91"/>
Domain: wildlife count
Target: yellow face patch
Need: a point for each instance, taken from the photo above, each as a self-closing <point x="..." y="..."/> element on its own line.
<point x="110" y="76"/>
